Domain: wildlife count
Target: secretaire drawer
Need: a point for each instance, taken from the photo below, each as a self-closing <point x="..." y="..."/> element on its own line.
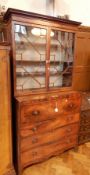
<point x="40" y="111"/>
<point x="42" y="127"/>
<point x="36" y="140"/>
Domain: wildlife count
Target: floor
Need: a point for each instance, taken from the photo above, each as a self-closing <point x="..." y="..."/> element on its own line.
<point x="72" y="162"/>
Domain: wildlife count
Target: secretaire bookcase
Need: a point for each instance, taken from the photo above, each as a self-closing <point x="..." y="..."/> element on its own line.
<point x="46" y="109"/>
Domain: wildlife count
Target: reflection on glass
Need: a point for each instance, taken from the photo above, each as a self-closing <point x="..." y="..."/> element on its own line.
<point x="30" y="58"/>
<point x="61" y="59"/>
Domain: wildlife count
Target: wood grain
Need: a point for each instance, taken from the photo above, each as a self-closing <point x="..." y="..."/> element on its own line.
<point x="5" y="113"/>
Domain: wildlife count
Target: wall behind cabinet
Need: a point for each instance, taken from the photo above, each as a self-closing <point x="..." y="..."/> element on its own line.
<point x="77" y="10"/>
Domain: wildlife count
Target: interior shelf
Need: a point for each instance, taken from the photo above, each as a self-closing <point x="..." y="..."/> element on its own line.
<point x="29" y="62"/>
<point x="27" y="43"/>
<point x="24" y="74"/>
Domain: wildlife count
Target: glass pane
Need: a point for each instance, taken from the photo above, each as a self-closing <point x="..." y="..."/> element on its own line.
<point x="30" y="57"/>
<point x="61" y="59"/>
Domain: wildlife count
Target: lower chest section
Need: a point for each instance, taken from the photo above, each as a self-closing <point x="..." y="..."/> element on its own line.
<point x="47" y="128"/>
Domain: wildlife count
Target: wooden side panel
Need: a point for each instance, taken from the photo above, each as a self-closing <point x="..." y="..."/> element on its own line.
<point x="81" y="78"/>
<point x="88" y="49"/>
<point x="82" y="81"/>
<point x="5" y="114"/>
<point x="80" y="49"/>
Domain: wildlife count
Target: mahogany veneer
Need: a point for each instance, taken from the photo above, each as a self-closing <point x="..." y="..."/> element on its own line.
<point x="6" y="162"/>
<point x="42" y="132"/>
<point x="46" y="110"/>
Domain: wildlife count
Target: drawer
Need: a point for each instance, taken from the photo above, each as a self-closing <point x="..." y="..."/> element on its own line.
<point x="45" y="126"/>
<point x="47" y="150"/>
<point x="48" y="137"/>
<point x="41" y="111"/>
<point x="38" y="112"/>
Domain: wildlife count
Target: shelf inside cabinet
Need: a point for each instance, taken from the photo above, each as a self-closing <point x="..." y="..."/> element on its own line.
<point x="39" y="62"/>
<point x="25" y="74"/>
<point x="20" y="45"/>
<point x="29" y="62"/>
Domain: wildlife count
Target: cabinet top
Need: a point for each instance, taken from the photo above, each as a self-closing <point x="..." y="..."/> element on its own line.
<point x="18" y="12"/>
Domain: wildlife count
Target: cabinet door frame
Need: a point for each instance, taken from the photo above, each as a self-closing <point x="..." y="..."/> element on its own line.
<point x="48" y="28"/>
<point x="16" y="92"/>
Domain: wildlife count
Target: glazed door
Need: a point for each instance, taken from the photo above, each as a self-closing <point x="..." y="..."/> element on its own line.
<point x="61" y="59"/>
<point x="30" y="46"/>
<point x="43" y="58"/>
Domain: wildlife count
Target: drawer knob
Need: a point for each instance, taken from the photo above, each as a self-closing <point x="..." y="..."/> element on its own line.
<point x="34" y="129"/>
<point x="36" y="112"/>
<point x="34" y="153"/>
<point x="88" y="100"/>
<point x="69" y="118"/>
<point x="68" y="141"/>
<point x="69" y="129"/>
<point x="34" y="140"/>
<point x="71" y="105"/>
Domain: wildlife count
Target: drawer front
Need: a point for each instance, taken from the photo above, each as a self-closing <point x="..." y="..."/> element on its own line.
<point x="54" y="135"/>
<point x="37" y="111"/>
<point x="43" y="127"/>
<point x="44" y="152"/>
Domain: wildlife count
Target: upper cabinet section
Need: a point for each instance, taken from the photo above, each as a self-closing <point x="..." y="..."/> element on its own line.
<point x="43" y="51"/>
<point x="34" y="69"/>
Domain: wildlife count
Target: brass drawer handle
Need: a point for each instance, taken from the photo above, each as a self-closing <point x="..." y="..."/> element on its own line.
<point x="68" y="141"/>
<point x="34" y="153"/>
<point x="69" y="130"/>
<point x="71" y="105"/>
<point x="34" y="140"/>
<point x="69" y="118"/>
<point x="36" y="112"/>
<point x="34" y="129"/>
<point x="88" y="100"/>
